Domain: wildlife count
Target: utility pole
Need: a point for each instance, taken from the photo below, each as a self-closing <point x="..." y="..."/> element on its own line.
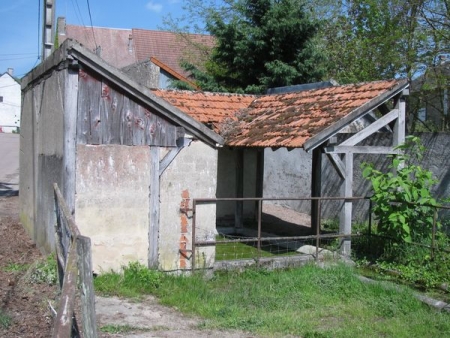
<point x="48" y="28"/>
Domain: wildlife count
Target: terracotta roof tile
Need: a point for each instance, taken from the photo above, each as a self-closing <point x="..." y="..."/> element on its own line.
<point x="205" y="107"/>
<point x="289" y="120"/>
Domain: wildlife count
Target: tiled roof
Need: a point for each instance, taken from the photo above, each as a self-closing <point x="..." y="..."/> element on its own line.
<point x="114" y="43"/>
<point x="206" y="107"/>
<point x="289" y="120"/>
<point x="168" y="47"/>
<point x="123" y="47"/>
<point x="280" y="120"/>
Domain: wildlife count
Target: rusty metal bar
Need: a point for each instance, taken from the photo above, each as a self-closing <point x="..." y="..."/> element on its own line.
<point x="259" y="229"/>
<point x="194" y="218"/>
<point x="318" y="230"/>
<point x="433" y="233"/>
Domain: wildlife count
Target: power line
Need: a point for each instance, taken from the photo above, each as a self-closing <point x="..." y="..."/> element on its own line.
<point x="92" y="26"/>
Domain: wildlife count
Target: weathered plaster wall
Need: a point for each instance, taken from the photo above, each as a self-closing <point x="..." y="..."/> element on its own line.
<point x="41" y="157"/>
<point x="10" y="106"/>
<point x="288" y="174"/>
<point x="192" y="174"/>
<point x="112" y="202"/>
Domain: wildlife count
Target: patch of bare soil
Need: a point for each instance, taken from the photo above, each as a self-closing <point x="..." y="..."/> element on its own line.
<point x="24" y="310"/>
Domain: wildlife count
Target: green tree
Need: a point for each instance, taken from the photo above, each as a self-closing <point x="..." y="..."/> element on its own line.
<point x="260" y="44"/>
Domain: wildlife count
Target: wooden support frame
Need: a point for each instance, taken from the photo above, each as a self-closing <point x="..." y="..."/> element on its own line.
<point x="239" y="212"/>
<point x="344" y="166"/>
<point x="316" y="188"/>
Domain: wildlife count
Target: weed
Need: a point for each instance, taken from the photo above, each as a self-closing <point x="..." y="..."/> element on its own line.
<point x="15" y="267"/>
<point x="45" y="272"/>
<point x="5" y="320"/>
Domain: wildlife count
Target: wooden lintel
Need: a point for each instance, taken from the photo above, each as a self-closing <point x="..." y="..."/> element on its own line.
<point x="170" y="156"/>
<point x="371" y="129"/>
<point x="361" y="150"/>
<point x="337" y="164"/>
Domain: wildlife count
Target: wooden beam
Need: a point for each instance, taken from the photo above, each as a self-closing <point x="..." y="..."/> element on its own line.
<point x="170" y="156"/>
<point x="371" y="129"/>
<point x="70" y="138"/>
<point x="399" y="127"/>
<point x="153" y="233"/>
<point x="259" y="177"/>
<point x="337" y="164"/>
<point x="316" y="188"/>
<point x="345" y="224"/>
<point x="360" y="150"/>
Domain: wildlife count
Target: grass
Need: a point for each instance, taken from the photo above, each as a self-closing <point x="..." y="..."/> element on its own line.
<point x="5" y="320"/>
<point x="307" y="302"/>
<point x="121" y="329"/>
<point x="16" y="267"/>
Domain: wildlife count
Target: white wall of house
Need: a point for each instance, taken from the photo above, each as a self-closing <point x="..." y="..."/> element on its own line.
<point x="112" y="203"/>
<point x="192" y="174"/>
<point x="10" y="103"/>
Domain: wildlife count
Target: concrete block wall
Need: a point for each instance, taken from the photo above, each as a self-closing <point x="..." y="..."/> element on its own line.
<point x="192" y="174"/>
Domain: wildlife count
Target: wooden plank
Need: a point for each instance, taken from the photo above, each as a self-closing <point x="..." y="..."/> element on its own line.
<point x="70" y="137"/>
<point x="112" y="134"/>
<point x="127" y="116"/>
<point x="153" y="233"/>
<point x="89" y="90"/>
<point x="360" y="150"/>
<point x="316" y="188"/>
<point x="64" y="317"/>
<point x="139" y="126"/>
<point x="373" y="128"/>
<point x="337" y="164"/>
<point x="259" y="177"/>
<point x="87" y="287"/>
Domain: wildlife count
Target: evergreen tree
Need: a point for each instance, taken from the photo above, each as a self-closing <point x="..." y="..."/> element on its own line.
<point x="260" y="44"/>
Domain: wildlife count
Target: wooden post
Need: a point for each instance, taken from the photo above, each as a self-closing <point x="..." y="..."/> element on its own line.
<point x="345" y="224"/>
<point x="70" y="131"/>
<point x="87" y="286"/>
<point x="259" y="178"/>
<point x="399" y="127"/>
<point x="316" y="188"/>
<point x="153" y="233"/>
<point x="239" y="213"/>
<point x="48" y="29"/>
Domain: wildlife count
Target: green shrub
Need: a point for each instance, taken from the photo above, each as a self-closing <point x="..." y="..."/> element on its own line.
<point x="45" y="272"/>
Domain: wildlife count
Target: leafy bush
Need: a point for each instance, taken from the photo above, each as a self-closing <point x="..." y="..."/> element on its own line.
<point x="140" y="277"/>
<point x="404" y="206"/>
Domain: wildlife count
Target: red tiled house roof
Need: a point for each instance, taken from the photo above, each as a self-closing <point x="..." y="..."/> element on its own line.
<point x="169" y="48"/>
<point x="124" y="47"/>
<point x="283" y="120"/>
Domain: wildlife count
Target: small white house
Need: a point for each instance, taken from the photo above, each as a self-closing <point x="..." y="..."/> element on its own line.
<point x="10" y="103"/>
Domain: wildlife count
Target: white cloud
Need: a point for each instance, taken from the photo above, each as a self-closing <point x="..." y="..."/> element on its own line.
<point x="154" y="7"/>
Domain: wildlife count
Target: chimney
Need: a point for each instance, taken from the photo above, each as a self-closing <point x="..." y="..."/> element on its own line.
<point x="61" y="25"/>
<point x="11" y="71"/>
<point x="130" y="43"/>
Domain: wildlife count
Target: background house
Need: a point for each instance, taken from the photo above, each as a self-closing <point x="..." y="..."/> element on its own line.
<point x="150" y="57"/>
<point x="10" y="103"/>
<point x="429" y="104"/>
